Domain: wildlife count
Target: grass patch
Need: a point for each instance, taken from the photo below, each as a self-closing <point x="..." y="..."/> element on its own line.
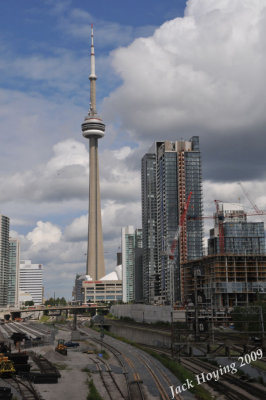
<point x="111" y="316"/>
<point x="220" y="352"/>
<point x="105" y="355"/>
<point x="94" y="394"/>
<point x="103" y="352"/>
<point x="61" y="367"/>
<point x="259" y="364"/>
<point x="61" y="321"/>
<point x="44" y="318"/>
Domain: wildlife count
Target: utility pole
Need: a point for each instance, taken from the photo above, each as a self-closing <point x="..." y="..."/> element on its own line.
<point x="196" y="304"/>
<point x="261" y="321"/>
<point x="212" y="316"/>
<point x="172" y="334"/>
<point x="102" y="336"/>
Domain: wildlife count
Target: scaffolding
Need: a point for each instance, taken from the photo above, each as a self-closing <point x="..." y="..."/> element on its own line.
<point x="227" y="280"/>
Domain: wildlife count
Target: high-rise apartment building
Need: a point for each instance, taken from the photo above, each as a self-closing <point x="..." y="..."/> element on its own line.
<point x="138" y="270"/>
<point x="233" y="234"/>
<point x="4" y="259"/>
<point x="31" y="280"/>
<point x="13" y="275"/>
<point x="131" y="240"/>
<point x="170" y="171"/>
<point x="151" y="279"/>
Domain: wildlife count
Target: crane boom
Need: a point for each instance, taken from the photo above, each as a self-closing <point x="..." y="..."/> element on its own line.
<point x="256" y="208"/>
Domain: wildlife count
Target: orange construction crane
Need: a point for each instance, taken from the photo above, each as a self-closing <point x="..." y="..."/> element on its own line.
<point x="179" y="229"/>
<point x="173" y="247"/>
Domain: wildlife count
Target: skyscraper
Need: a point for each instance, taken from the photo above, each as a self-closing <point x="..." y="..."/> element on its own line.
<point x="93" y="129"/>
<point x="31" y="280"/>
<point x="138" y="267"/>
<point x="4" y="259"/>
<point x="151" y="279"/>
<point x="170" y="171"/>
<point x="13" y="275"/>
<point x="131" y="241"/>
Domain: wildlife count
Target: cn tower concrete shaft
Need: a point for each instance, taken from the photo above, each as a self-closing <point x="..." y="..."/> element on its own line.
<point x="93" y="129"/>
<point x="95" y="256"/>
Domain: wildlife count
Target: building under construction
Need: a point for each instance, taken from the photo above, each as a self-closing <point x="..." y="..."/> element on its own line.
<point x="234" y="272"/>
<point x="225" y="280"/>
<point x="171" y="170"/>
<point x="232" y="233"/>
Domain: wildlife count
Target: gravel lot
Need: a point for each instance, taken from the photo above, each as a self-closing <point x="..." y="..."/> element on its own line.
<point x="73" y="383"/>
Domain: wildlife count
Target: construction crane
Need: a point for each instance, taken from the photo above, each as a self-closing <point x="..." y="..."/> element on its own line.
<point x="171" y="252"/>
<point x="257" y="210"/>
<point x="220" y="226"/>
<point x="180" y="227"/>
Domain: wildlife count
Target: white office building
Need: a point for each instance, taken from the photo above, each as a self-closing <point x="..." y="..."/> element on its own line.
<point x="31" y="280"/>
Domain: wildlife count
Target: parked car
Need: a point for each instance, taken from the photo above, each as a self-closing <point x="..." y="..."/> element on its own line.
<point x="71" y="344"/>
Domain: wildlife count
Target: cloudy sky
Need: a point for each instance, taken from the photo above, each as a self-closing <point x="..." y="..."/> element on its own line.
<point x="166" y="69"/>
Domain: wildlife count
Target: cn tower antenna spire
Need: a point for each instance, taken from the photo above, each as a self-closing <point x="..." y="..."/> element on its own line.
<point x="92" y="78"/>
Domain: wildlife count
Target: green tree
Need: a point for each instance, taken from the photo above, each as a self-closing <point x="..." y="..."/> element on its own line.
<point x="29" y="303"/>
<point x="58" y="301"/>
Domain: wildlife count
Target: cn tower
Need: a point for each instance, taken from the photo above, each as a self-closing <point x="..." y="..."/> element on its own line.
<point x="93" y="129"/>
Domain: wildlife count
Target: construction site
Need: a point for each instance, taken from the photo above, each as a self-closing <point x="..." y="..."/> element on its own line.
<point x="234" y="272"/>
<point x="226" y="280"/>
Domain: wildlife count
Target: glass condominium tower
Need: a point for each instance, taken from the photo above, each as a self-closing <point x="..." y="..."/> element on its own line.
<point x="4" y="259"/>
<point x="170" y="171"/>
<point x="13" y="281"/>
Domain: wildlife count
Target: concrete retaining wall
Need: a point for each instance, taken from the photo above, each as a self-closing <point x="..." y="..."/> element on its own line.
<point x="147" y="313"/>
<point x="142" y="336"/>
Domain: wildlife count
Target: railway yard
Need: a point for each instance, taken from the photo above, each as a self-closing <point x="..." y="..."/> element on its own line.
<point x="117" y="369"/>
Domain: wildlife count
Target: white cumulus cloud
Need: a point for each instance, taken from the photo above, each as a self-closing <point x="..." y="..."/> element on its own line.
<point x="202" y="74"/>
<point x="44" y="234"/>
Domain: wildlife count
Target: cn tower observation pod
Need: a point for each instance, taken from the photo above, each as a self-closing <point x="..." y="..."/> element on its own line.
<point x="93" y="126"/>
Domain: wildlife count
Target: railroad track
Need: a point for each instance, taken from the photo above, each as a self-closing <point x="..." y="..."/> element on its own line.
<point x="31" y="332"/>
<point x="157" y="350"/>
<point x="39" y="328"/>
<point x="227" y="383"/>
<point x="136" y="385"/>
<point x="163" y="393"/>
<point x="218" y="387"/>
<point x="26" y="389"/>
<point x="111" y="386"/>
<point x="135" y="388"/>
<point x="232" y="393"/>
